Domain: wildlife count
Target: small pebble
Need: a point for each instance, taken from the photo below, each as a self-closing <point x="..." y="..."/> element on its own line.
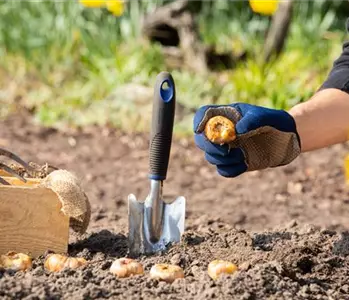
<point x="291" y="224"/>
<point x="245" y="266"/>
<point x="176" y="259"/>
<point x="294" y="188"/>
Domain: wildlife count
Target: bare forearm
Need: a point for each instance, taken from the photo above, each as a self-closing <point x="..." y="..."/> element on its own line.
<point x="323" y="120"/>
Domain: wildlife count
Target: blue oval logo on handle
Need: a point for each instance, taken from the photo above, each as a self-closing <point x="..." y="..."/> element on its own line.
<point x="166" y="90"/>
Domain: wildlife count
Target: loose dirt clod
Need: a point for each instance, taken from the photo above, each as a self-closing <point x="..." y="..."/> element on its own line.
<point x="346" y="168"/>
<point x="220" y="130"/>
<point x="126" y="267"/>
<point x="59" y="262"/>
<point x="166" y="272"/>
<point x="218" y="267"/>
<point x="16" y="261"/>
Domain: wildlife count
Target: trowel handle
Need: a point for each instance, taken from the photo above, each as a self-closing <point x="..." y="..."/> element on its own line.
<point x="162" y="125"/>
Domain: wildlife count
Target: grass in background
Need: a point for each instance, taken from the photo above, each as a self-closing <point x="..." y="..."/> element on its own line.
<point x="75" y="66"/>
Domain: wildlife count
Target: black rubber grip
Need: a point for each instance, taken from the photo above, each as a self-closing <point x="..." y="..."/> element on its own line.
<point x="162" y="125"/>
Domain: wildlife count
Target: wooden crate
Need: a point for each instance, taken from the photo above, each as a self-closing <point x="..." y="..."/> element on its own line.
<point x="31" y="220"/>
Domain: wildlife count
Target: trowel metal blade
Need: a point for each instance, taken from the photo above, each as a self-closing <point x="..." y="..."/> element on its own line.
<point x="139" y="234"/>
<point x="135" y="225"/>
<point x="172" y="226"/>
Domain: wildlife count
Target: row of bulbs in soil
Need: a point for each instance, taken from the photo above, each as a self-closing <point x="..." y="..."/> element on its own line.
<point x="121" y="267"/>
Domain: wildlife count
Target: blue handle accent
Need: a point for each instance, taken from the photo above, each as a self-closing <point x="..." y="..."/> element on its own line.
<point x="157" y="177"/>
<point x="166" y="94"/>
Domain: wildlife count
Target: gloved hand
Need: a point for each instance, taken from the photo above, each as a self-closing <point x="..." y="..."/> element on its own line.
<point x="265" y="138"/>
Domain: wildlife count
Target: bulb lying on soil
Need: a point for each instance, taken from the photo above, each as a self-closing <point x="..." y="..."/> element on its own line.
<point x="16" y="261"/>
<point x="58" y="262"/>
<point x="220" y="130"/>
<point x="126" y="267"/>
<point x="165" y="272"/>
<point x="218" y="267"/>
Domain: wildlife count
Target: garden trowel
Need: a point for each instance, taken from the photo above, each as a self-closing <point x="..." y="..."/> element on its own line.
<point x="154" y="223"/>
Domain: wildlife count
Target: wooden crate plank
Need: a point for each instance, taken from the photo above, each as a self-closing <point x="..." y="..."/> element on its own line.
<point x="16" y="182"/>
<point x="4" y="173"/>
<point x="31" y="221"/>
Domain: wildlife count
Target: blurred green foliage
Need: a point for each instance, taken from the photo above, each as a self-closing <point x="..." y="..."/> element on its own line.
<point x="63" y="61"/>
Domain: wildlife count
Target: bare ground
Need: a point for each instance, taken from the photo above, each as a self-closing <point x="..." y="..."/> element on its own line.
<point x="286" y="228"/>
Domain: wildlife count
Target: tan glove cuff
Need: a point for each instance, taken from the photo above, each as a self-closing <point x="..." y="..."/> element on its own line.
<point x="267" y="147"/>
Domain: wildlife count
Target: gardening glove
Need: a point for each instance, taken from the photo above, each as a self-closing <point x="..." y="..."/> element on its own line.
<point x="265" y="138"/>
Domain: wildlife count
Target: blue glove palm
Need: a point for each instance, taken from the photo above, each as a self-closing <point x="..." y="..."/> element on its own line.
<point x="265" y="138"/>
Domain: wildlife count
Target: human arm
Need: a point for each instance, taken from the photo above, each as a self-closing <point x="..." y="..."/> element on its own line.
<point x="323" y="120"/>
<point x="267" y="137"/>
<point x="270" y="138"/>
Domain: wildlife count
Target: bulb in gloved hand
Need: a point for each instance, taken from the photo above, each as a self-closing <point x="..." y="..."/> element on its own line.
<point x="126" y="267"/>
<point x="218" y="267"/>
<point x="16" y="261"/>
<point x="58" y="262"/>
<point x="220" y="130"/>
<point x="165" y="272"/>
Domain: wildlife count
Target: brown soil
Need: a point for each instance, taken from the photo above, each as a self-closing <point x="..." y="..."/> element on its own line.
<point x="259" y="221"/>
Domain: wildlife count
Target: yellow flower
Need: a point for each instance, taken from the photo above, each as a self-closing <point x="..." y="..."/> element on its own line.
<point x="264" y="7"/>
<point x="92" y="3"/>
<point x="116" y="7"/>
